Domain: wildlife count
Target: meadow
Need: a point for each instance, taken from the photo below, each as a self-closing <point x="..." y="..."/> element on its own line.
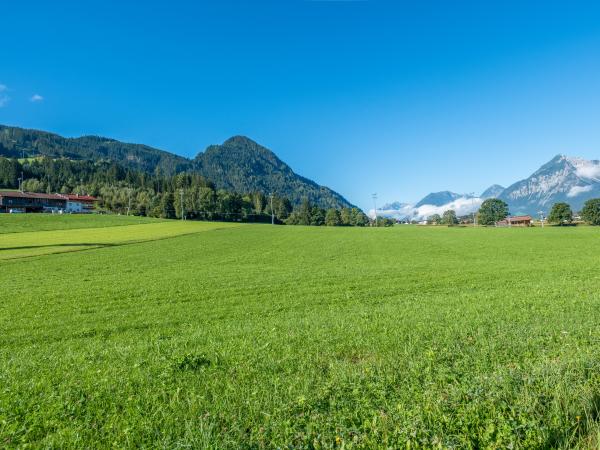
<point x="207" y="335"/>
<point x="17" y="223"/>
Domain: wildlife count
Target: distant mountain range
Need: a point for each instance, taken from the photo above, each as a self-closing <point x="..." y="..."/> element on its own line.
<point x="242" y="165"/>
<point x="239" y="164"/>
<point x="562" y="179"/>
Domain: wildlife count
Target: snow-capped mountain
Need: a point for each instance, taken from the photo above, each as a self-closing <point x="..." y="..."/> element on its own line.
<point x="562" y="179"/>
<point x="439" y="198"/>
<point x="394" y="205"/>
<point x="492" y="192"/>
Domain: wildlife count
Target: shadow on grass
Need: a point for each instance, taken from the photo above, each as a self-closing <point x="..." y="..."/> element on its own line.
<point x="29" y="247"/>
<point x="76" y="247"/>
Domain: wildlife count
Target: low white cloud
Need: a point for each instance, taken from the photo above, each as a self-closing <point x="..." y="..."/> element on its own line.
<point x="462" y="206"/>
<point x="404" y="210"/>
<point x="591" y="171"/>
<point x="585" y="168"/>
<point x="576" y="190"/>
<point x="36" y="98"/>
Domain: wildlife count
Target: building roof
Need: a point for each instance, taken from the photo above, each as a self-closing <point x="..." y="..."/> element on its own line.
<point x="70" y="197"/>
<point x="518" y="218"/>
<point x="19" y="194"/>
<point x="79" y="198"/>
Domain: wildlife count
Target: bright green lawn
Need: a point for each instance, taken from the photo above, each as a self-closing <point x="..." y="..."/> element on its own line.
<point x="33" y="243"/>
<point x="11" y="223"/>
<point x="259" y="336"/>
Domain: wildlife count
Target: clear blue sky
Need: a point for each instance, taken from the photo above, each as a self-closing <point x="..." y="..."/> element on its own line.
<point x="399" y="98"/>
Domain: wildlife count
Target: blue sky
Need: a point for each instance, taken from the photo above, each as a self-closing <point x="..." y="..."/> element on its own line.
<point x="398" y="98"/>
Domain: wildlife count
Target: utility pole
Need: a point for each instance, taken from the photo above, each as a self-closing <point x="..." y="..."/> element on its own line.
<point x="182" y="208"/>
<point x="472" y="195"/>
<point x="375" y="206"/>
<point x="272" y="212"/>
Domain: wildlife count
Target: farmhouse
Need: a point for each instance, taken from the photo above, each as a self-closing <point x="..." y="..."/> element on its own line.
<point x="80" y="203"/>
<point x="515" y="221"/>
<point x="11" y="201"/>
<point x="16" y="201"/>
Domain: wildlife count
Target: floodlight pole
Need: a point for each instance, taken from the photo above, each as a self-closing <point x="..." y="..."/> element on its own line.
<point x="375" y="206"/>
<point x="272" y="212"/>
<point x="182" y="208"/>
<point x="472" y="194"/>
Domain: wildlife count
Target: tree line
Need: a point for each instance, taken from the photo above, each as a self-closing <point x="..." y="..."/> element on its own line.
<point x="185" y="195"/>
<point x="562" y="214"/>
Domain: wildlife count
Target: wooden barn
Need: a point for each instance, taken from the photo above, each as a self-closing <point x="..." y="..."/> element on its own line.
<point x="515" y="221"/>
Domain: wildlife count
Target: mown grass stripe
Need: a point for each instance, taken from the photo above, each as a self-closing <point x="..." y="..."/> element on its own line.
<point x="28" y="244"/>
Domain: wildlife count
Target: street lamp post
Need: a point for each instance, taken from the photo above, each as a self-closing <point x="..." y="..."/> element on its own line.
<point x="375" y="207"/>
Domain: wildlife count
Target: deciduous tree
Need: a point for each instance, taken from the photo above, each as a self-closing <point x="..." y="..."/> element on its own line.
<point x="434" y="219"/>
<point x="491" y="211"/>
<point x="449" y="217"/>
<point x="561" y="213"/>
<point x="332" y="218"/>
<point x="591" y="211"/>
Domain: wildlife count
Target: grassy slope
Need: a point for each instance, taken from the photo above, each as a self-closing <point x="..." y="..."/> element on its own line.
<point x="18" y="223"/>
<point x="267" y="336"/>
<point x="35" y="243"/>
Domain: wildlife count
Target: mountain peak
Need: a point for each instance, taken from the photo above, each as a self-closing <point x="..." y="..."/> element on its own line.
<point x="239" y="141"/>
<point x="583" y="168"/>
<point x="239" y="164"/>
<point x="438" y="198"/>
<point x="242" y="165"/>
<point x="242" y="149"/>
<point x="564" y="178"/>
<point x="492" y="192"/>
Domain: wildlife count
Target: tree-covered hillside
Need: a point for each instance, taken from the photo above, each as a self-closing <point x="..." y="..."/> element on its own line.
<point x="242" y="165"/>
<point x="187" y="194"/>
<point x="239" y="164"/>
<point x="16" y="142"/>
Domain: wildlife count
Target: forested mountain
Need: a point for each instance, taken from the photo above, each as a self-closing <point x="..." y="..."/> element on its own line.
<point x="242" y="165"/>
<point x="16" y="142"/>
<point x="187" y="194"/>
<point x="239" y="164"/>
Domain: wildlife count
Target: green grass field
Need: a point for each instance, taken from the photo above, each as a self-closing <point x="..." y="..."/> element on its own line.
<point x="18" y="223"/>
<point x="206" y="335"/>
<point x="35" y="243"/>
